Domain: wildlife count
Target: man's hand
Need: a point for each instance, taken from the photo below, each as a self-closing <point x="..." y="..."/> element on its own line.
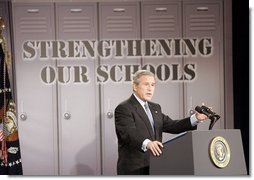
<point x="155" y="147"/>
<point x="201" y="117"/>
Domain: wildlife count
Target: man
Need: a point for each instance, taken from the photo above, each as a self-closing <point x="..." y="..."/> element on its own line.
<point x="138" y="133"/>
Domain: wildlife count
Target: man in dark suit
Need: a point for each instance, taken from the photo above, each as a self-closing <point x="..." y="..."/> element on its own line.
<point x="139" y="129"/>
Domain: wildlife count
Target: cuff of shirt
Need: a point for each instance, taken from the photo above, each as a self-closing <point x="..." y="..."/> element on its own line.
<point x="194" y="120"/>
<point x="144" y="145"/>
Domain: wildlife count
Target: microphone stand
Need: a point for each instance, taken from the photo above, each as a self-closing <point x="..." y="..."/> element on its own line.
<point x="213" y="119"/>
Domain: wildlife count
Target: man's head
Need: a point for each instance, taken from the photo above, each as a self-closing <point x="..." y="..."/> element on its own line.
<point x="144" y="84"/>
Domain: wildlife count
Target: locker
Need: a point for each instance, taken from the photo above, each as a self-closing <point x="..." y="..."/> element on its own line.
<point x="162" y="19"/>
<point x="68" y="111"/>
<point x="79" y="140"/>
<point x="117" y="21"/>
<point x="36" y="103"/>
<point x="204" y="19"/>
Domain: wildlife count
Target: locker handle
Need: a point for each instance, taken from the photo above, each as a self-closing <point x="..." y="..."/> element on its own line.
<point x="67" y="115"/>
<point x="191" y="112"/>
<point x="110" y="115"/>
<point x="77" y="10"/>
<point x="23" y="116"/>
<point x="33" y="10"/>
<point x="161" y="9"/>
<point x="119" y="10"/>
<point x="202" y="8"/>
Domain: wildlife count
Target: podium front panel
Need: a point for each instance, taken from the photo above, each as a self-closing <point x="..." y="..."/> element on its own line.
<point x="191" y="154"/>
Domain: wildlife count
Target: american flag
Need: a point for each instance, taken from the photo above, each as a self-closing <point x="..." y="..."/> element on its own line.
<point x="10" y="164"/>
<point x="1" y="135"/>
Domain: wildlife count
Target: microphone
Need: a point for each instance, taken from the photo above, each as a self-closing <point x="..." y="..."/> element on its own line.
<point x="203" y="111"/>
<point x="208" y="110"/>
<point x="209" y="113"/>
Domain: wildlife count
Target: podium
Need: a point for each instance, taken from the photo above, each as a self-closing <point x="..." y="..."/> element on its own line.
<point x="205" y="153"/>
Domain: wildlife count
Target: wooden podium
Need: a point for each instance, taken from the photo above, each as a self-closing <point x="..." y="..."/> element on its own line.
<point x="213" y="153"/>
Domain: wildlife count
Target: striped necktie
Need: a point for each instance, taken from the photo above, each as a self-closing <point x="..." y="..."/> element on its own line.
<point x="150" y="116"/>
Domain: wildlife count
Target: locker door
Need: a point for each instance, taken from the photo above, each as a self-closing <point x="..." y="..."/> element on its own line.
<point x="117" y="21"/>
<point x="203" y="19"/>
<point x="162" y="20"/>
<point x="35" y="100"/>
<point x="79" y="136"/>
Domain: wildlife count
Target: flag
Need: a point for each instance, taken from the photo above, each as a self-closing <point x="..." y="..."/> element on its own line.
<point x="1" y="135"/>
<point x="10" y="155"/>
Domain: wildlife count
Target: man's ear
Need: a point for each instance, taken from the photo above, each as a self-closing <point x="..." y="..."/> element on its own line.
<point x="134" y="87"/>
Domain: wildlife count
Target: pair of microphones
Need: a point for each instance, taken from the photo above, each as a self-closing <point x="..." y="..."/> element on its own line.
<point x="209" y="113"/>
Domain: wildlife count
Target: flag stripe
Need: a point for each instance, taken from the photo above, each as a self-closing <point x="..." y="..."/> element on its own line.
<point x="1" y="135"/>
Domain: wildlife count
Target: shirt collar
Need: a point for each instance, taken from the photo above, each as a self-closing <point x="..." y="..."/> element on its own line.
<point x="139" y="100"/>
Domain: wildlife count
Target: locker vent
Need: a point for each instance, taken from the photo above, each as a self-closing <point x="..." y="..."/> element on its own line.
<point x="77" y="24"/>
<point x="161" y="23"/>
<point x="33" y="25"/>
<point x="119" y="24"/>
<point x="202" y="22"/>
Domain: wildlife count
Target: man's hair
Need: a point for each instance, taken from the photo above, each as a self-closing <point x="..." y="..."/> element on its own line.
<point x="139" y="74"/>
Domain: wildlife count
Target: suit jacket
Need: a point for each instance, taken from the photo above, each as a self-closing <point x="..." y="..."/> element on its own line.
<point x="133" y="127"/>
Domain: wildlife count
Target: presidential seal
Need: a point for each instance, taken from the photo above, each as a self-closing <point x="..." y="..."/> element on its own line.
<point x="219" y="152"/>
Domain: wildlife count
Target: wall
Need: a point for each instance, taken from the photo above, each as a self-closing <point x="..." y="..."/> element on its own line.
<point x="71" y="120"/>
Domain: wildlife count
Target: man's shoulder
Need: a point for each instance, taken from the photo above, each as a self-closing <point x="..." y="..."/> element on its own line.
<point x="124" y="107"/>
<point x="126" y="102"/>
<point x="154" y="104"/>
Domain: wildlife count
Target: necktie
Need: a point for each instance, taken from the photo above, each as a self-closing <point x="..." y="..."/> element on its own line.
<point x="150" y="116"/>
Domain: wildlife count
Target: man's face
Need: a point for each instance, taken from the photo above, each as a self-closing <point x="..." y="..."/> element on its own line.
<point x="145" y="89"/>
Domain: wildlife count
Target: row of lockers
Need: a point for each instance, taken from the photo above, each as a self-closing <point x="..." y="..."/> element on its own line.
<point x="68" y="129"/>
